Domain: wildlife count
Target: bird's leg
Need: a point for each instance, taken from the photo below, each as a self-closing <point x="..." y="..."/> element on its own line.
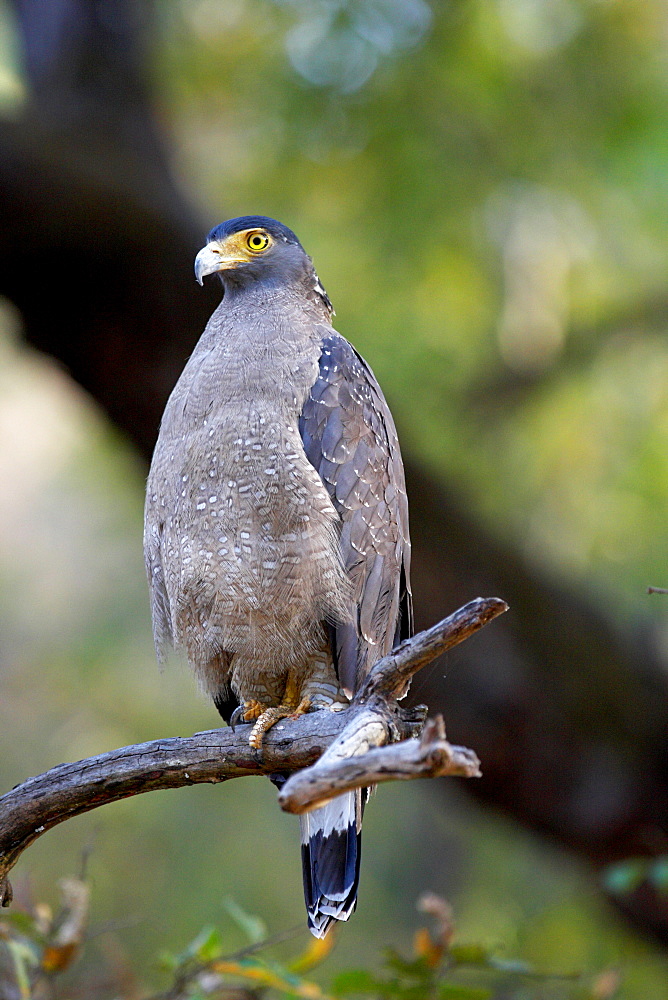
<point x="291" y="707"/>
<point x="271" y="716"/>
<point x="248" y="712"/>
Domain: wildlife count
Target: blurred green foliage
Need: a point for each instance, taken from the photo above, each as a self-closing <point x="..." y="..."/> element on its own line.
<point x="483" y="187"/>
<point x="487" y="210"/>
<point x="37" y="952"/>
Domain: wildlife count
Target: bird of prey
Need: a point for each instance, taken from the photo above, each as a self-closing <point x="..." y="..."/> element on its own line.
<point x="276" y="525"/>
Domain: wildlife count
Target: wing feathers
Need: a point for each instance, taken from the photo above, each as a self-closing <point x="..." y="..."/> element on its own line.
<point x="350" y="439"/>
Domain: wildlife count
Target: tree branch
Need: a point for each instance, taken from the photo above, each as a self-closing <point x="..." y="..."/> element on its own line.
<point x="430" y="756"/>
<point x="361" y="730"/>
<point x="393" y="673"/>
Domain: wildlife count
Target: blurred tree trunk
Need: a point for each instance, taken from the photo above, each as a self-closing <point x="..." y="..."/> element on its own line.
<point x="96" y="250"/>
<point x="97" y="242"/>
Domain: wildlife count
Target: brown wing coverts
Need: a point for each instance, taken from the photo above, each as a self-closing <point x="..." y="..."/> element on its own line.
<point x="350" y="438"/>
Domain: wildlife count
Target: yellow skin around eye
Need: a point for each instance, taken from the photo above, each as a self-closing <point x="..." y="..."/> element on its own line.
<point x="239" y="248"/>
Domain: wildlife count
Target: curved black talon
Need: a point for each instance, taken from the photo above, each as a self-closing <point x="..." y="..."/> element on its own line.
<point x="237" y="717"/>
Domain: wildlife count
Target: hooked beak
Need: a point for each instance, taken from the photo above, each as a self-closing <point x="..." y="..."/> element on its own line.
<point x="211" y="258"/>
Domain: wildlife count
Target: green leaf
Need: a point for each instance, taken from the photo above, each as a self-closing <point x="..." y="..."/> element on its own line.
<point x="264" y="974"/>
<point x="206" y="947"/>
<point x="23" y="923"/>
<point x="23" y="957"/>
<point x="355" y="981"/>
<point x="167" y="961"/>
<point x="451" y="991"/>
<point x="203" y="948"/>
<point x="254" y="928"/>
<point x="470" y="954"/>
<point x="208" y="944"/>
<point x="414" y="967"/>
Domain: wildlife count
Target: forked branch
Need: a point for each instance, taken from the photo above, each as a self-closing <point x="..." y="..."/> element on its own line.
<point x="329" y="751"/>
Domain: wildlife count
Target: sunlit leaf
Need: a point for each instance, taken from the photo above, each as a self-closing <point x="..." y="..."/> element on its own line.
<point x="57" y="958"/>
<point x="257" y="972"/>
<point x="208" y="944"/>
<point x="202" y="949"/>
<point x="426" y="948"/>
<point x="317" y="951"/>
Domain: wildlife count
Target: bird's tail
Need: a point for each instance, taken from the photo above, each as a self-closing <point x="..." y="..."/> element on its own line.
<point x="331" y="849"/>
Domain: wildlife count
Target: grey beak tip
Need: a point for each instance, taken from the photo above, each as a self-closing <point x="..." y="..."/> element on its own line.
<point x="207" y="261"/>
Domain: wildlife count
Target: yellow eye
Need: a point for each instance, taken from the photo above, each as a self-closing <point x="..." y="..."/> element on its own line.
<point x="257" y="241"/>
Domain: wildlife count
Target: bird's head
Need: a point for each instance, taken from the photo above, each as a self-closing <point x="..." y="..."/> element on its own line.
<point x="252" y="249"/>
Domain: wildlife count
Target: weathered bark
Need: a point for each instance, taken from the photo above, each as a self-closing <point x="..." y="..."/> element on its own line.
<point x="431" y="756"/>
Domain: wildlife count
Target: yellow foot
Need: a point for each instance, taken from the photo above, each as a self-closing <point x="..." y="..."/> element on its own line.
<point x="253" y="710"/>
<point x="248" y="712"/>
<point x="270" y="717"/>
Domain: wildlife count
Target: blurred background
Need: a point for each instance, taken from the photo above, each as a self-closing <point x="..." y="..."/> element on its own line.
<point x="483" y="185"/>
